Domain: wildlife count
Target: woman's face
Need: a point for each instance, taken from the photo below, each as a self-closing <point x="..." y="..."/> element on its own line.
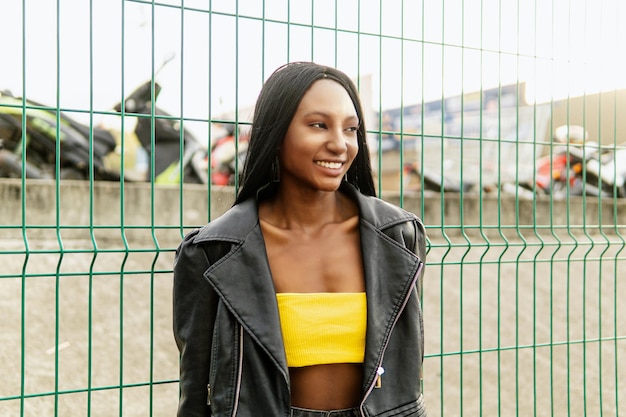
<point x="321" y="141"/>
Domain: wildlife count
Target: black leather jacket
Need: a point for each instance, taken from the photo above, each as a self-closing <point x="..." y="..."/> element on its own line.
<point x="227" y="328"/>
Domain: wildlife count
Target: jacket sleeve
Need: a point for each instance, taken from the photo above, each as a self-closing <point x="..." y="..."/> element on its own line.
<point x="194" y="308"/>
<point x="419" y="248"/>
<point x="414" y="237"/>
<point x="420" y="251"/>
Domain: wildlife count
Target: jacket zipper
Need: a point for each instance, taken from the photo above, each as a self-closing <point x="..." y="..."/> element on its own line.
<point x="239" y="372"/>
<point x="377" y="382"/>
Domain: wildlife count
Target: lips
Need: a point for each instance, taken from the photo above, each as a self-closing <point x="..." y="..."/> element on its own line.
<point x="329" y="164"/>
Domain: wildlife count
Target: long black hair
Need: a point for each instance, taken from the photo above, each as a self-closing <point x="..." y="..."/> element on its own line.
<point x="275" y="108"/>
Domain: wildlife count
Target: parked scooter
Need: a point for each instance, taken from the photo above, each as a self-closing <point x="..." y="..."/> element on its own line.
<point x="11" y="165"/>
<point x="579" y="166"/>
<point x="157" y="132"/>
<point x="76" y="155"/>
<point x="164" y="151"/>
<point x="560" y="173"/>
<point x="228" y="154"/>
<point x="605" y="174"/>
<point x="433" y="181"/>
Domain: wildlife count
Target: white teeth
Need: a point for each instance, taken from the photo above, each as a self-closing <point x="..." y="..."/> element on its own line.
<point x="333" y="165"/>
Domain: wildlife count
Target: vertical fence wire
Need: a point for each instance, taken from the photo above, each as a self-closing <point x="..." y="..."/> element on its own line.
<point x="210" y="137"/>
<point x="621" y="244"/>
<point x="58" y="223"/>
<point x="535" y="233"/>
<point x="23" y="225"/>
<point x="524" y="310"/>
<point x="92" y="236"/>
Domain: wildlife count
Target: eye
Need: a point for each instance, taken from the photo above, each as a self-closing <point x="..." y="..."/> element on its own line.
<point x="352" y="129"/>
<point x="318" y="125"/>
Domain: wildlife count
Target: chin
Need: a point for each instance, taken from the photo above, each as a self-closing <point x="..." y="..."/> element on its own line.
<point x="329" y="187"/>
<point x="320" y="184"/>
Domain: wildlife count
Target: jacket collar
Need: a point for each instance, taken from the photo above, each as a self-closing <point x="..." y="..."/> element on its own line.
<point x="236" y="223"/>
<point x="243" y="279"/>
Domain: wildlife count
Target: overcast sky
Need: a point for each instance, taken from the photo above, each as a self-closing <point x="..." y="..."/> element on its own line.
<point x="558" y="47"/>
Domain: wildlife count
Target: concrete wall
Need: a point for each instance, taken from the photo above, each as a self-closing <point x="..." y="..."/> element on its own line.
<point x="104" y="212"/>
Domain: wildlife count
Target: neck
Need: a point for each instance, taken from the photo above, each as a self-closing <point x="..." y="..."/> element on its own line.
<point x="307" y="211"/>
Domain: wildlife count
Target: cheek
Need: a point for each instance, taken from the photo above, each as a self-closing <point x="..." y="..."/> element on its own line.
<point x="353" y="148"/>
<point x="291" y="153"/>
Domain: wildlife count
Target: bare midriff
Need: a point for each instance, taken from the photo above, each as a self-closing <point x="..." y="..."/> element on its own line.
<point x="327" y="387"/>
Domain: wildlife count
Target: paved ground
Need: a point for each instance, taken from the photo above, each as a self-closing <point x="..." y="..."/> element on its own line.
<point x="536" y="295"/>
<point x="484" y="301"/>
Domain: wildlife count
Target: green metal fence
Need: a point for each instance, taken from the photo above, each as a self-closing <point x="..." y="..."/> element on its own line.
<point x="524" y="297"/>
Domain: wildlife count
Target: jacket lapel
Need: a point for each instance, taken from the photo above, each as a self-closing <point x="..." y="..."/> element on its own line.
<point x="244" y="282"/>
<point x="390" y="272"/>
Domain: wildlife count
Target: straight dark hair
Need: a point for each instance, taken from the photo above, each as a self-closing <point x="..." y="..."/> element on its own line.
<point x="275" y="108"/>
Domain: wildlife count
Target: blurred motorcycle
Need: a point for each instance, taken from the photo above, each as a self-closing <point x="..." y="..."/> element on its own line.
<point x="559" y="173"/>
<point x="580" y="167"/>
<point x="228" y="154"/>
<point x="605" y="174"/>
<point x="160" y="135"/>
<point x="77" y="154"/>
<point x="157" y="132"/>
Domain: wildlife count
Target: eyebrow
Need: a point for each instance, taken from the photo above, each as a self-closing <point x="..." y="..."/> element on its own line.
<point x="324" y="114"/>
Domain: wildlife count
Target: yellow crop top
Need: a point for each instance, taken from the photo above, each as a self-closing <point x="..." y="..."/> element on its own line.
<point x="322" y="328"/>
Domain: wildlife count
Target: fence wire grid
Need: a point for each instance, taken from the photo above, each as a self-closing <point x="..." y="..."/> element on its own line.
<point x="498" y="122"/>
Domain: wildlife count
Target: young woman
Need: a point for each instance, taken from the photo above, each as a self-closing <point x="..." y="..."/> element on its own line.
<point x="302" y="299"/>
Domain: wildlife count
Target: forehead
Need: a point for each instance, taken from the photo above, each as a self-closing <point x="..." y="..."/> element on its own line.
<point x="328" y="96"/>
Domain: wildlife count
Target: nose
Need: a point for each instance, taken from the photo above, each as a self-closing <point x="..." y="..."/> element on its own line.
<point x="337" y="141"/>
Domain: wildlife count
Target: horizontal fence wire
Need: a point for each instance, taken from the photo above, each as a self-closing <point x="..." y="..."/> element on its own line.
<point x="497" y="122"/>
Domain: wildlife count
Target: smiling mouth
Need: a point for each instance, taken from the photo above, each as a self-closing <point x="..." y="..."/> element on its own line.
<point x="331" y="165"/>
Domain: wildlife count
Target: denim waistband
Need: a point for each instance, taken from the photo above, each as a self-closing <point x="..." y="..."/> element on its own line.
<point x="304" y="412"/>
